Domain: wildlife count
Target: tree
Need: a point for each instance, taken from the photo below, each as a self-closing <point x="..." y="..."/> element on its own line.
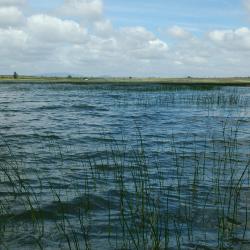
<point x="15" y="75"/>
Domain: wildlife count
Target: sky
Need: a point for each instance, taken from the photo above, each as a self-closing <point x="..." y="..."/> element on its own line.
<point x="166" y="38"/>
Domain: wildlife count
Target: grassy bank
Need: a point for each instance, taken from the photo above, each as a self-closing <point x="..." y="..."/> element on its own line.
<point x="237" y="81"/>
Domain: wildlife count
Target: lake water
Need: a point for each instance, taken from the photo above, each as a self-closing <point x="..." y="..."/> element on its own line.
<point x="124" y="167"/>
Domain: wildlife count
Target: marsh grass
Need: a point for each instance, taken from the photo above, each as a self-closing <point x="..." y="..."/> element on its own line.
<point x="198" y="198"/>
<point x="216" y="99"/>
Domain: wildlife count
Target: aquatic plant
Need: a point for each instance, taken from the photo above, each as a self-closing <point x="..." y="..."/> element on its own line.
<point x="182" y="202"/>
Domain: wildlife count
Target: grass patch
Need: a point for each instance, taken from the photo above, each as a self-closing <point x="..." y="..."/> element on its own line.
<point x="235" y="81"/>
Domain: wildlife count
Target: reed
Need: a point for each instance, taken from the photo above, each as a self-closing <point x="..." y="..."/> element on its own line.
<point x="183" y="202"/>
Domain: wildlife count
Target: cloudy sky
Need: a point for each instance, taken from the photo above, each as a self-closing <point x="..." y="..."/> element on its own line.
<point x="125" y="38"/>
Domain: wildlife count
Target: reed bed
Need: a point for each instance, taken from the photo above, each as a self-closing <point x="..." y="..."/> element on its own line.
<point x="208" y="100"/>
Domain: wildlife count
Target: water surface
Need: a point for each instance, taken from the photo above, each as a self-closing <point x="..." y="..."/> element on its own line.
<point x="64" y="137"/>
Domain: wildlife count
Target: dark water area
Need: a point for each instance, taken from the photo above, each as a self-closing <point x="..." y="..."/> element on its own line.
<point x="124" y="167"/>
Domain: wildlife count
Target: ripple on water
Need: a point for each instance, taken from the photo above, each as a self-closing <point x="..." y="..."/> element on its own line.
<point x="58" y="130"/>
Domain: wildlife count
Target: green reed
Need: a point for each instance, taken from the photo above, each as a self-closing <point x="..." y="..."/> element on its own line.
<point x="164" y="97"/>
<point x="155" y="207"/>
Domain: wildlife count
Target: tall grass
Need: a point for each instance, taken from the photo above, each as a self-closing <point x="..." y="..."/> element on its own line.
<point x="201" y="98"/>
<point x="197" y="193"/>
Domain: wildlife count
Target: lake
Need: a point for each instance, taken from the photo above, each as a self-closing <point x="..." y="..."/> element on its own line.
<point x="124" y="166"/>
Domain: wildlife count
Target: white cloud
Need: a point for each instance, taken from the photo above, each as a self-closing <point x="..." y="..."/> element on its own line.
<point x="238" y="39"/>
<point x="128" y="43"/>
<point x="12" y="38"/>
<point x="83" y="40"/>
<point x="140" y="43"/>
<point x="179" y="32"/>
<point x="54" y="30"/>
<point x="85" y="9"/>
<point x="11" y="16"/>
<point x="103" y="28"/>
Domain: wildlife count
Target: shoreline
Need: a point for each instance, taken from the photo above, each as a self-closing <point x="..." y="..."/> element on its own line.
<point x="237" y="81"/>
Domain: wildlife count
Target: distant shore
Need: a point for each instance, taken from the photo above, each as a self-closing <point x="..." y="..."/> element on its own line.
<point x="234" y="81"/>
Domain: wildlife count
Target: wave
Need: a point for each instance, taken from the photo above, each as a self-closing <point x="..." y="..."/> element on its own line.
<point x="59" y="209"/>
<point x="88" y="107"/>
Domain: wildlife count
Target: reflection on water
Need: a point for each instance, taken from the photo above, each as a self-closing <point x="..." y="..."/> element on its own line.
<point x="124" y="167"/>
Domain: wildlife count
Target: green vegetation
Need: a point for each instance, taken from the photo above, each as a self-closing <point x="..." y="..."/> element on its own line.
<point x="191" y="194"/>
<point x="238" y="81"/>
<point x="15" y="75"/>
<point x="145" y="206"/>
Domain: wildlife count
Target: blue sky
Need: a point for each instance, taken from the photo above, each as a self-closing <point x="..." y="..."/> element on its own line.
<point x="115" y="37"/>
<point x="190" y="13"/>
<point x="196" y="15"/>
